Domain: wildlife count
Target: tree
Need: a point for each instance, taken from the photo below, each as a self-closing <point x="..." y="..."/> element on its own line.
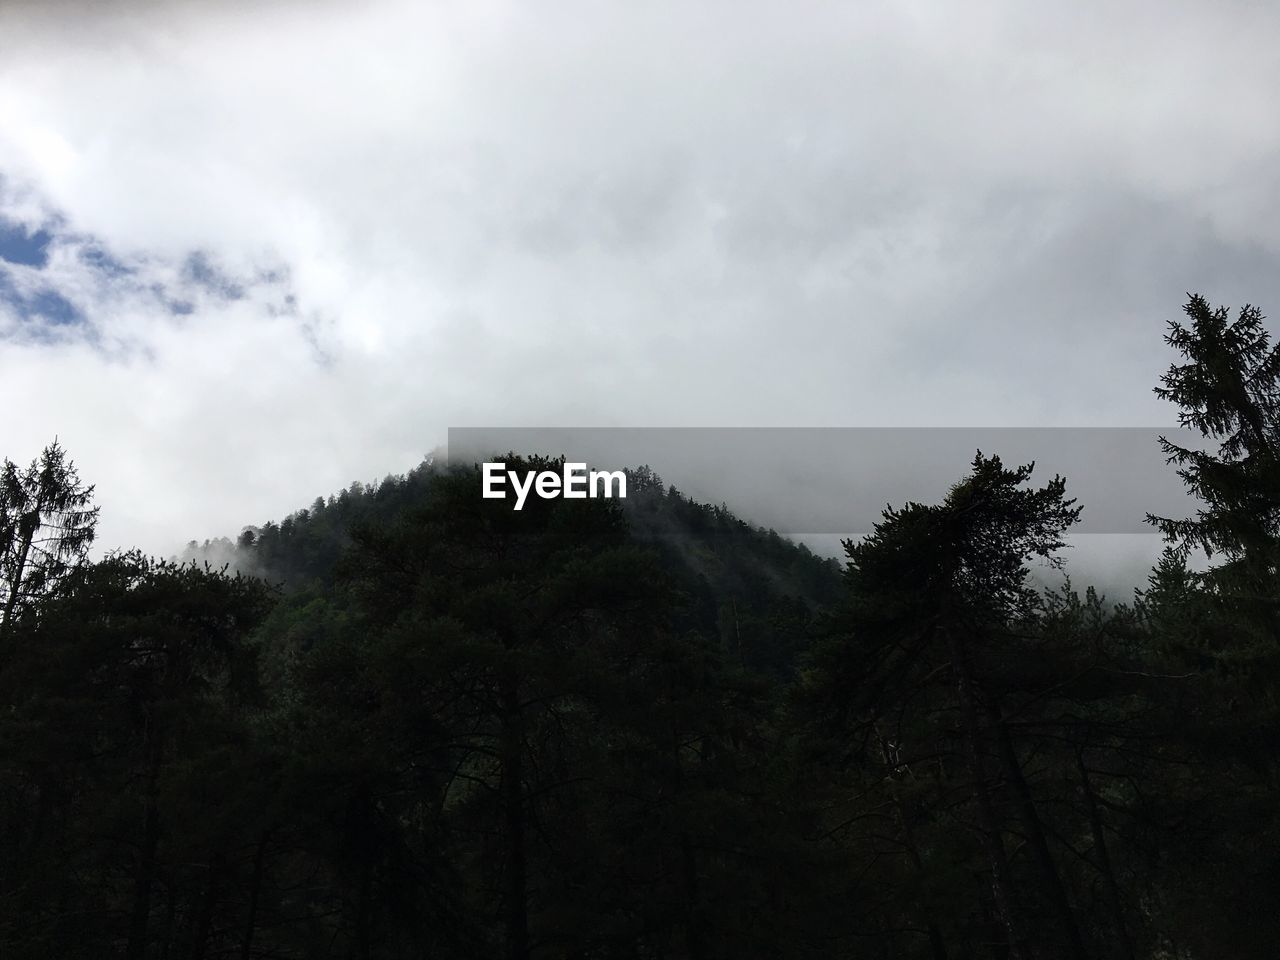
<point x="47" y="524"/>
<point x="510" y="703"/>
<point x="1228" y="391"/>
<point x="1226" y="618"/>
<point x="916" y="666"/>
<point x="479" y="636"/>
<point x="1221" y="626"/>
<point x="128" y="786"/>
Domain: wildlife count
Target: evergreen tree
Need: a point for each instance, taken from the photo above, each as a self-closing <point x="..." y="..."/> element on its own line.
<point x="1220" y="627"/>
<point x="46" y="527"/>
<point x="938" y="603"/>
<point x="1228" y="390"/>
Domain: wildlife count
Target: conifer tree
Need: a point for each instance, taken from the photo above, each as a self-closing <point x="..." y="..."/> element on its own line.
<point x="937" y="595"/>
<point x="46" y="527"/>
<point x="1228" y="390"/>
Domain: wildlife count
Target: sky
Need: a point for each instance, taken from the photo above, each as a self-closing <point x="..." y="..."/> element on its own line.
<point x="250" y="252"/>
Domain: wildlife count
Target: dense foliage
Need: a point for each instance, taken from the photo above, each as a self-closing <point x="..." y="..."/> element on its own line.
<point x="416" y="723"/>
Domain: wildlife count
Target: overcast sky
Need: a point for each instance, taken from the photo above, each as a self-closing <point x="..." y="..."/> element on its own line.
<point x="252" y="252"/>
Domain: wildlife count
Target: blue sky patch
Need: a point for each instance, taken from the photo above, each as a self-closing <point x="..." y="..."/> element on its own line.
<point x="51" y="306"/>
<point x="54" y="308"/>
<point x="19" y="246"/>
<point x="44" y="309"/>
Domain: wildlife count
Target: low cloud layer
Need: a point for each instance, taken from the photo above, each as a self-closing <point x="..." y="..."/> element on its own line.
<point x="255" y="252"/>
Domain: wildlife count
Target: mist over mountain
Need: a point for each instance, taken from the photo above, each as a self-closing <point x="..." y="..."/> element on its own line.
<point x="740" y="579"/>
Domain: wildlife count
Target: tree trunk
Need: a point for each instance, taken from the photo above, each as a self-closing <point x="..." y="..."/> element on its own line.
<point x="204" y="920"/>
<point x="1036" y="835"/>
<point x="255" y="890"/>
<point x="1006" y="907"/>
<point x="1124" y="943"/>
<point x="515" y="906"/>
<point x="15" y="584"/>
<point x="170" y="916"/>
<point x="143" y="882"/>
<point x="364" y="910"/>
<point x="695" y="936"/>
<point x="145" y="876"/>
<point x="937" y="945"/>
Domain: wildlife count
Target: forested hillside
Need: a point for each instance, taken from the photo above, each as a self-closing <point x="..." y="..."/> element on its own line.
<point x="750" y="587"/>
<point x="417" y="723"/>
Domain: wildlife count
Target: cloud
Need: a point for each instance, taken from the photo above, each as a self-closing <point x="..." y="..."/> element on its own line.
<point x="303" y="240"/>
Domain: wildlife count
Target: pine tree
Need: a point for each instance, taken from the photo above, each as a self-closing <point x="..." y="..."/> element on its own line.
<point x="1220" y="626"/>
<point x="1228" y="390"/>
<point x="47" y="524"/>
<point x="916" y="667"/>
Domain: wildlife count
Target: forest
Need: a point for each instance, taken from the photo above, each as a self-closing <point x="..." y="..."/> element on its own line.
<point x="410" y="722"/>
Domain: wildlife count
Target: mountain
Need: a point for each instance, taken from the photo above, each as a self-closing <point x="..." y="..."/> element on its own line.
<point x="751" y="588"/>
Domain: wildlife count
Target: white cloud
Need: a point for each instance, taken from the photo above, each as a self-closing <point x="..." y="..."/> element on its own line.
<point x="584" y="213"/>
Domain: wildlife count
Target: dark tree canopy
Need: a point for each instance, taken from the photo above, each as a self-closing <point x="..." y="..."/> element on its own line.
<point x="409" y="722"/>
